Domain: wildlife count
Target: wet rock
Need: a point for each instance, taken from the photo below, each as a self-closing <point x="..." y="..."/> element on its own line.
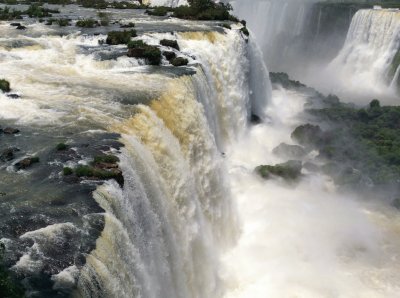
<point x="2" y="194"/>
<point x="15" y="24"/>
<point x="9" y="130"/>
<point x="169" y="55"/>
<point x="289" y="151"/>
<point x="290" y="170"/>
<point x="5" y="85"/>
<point x="136" y="52"/>
<point x="179" y="61"/>
<point x="26" y="163"/>
<point x="21" y="27"/>
<point x="170" y="43"/>
<point x="308" y="135"/>
<point x="255" y="119"/>
<point x="14" y="96"/>
<point x="8" y="154"/>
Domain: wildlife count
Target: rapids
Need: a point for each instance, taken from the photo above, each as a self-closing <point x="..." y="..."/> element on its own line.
<point x="192" y="218"/>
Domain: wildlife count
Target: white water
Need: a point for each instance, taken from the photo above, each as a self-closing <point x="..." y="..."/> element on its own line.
<point x="364" y="63"/>
<point x="171" y="231"/>
<point x="170" y="3"/>
<point x="306" y="240"/>
<point x="166" y="229"/>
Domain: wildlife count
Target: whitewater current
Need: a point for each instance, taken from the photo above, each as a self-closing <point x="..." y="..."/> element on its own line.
<point x="192" y="218"/>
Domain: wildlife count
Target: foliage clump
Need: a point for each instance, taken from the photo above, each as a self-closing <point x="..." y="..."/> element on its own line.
<point x="87" y="23"/>
<point x="4" y="85"/>
<point x="139" y="49"/>
<point x="120" y="37"/>
<point x="290" y="170"/>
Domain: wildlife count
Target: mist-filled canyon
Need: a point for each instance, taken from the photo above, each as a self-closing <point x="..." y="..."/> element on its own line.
<point x="199" y="149"/>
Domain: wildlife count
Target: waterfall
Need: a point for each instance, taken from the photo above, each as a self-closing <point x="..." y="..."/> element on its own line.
<point x="166" y="228"/>
<point x="370" y="49"/>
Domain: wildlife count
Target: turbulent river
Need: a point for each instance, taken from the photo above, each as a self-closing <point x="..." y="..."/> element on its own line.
<point x="191" y="218"/>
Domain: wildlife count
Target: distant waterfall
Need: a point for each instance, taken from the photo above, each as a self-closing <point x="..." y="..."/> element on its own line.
<point x="165" y="229"/>
<point x="372" y="49"/>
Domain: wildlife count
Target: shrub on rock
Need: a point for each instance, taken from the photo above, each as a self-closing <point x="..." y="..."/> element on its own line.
<point x="4" y="85"/>
<point x="290" y="170"/>
<point x="170" y="43"/>
<point x="179" y="61"/>
<point x="138" y="49"/>
<point x="120" y="37"/>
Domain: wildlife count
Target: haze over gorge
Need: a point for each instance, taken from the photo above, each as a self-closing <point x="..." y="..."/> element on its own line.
<point x="199" y="149"/>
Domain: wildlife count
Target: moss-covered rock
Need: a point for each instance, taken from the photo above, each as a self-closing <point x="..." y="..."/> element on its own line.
<point x="307" y="135"/>
<point x="87" y="23"/>
<point x="120" y="37"/>
<point x="179" y="61"/>
<point x="26" y="162"/>
<point x="290" y="170"/>
<point x="169" y="55"/>
<point x="138" y="49"/>
<point x="61" y="147"/>
<point x="169" y="43"/>
<point x="4" y="85"/>
<point x="159" y="11"/>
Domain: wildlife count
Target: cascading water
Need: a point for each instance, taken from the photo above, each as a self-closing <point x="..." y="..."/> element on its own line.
<point x="369" y="54"/>
<point x="166" y="229"/>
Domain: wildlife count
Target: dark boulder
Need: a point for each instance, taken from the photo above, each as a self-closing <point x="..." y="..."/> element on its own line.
<point x="179" y="61"/>
<point x="21" y="27"/>
<point x="15" y="24"/>
<point x="169" y="55"/>
<point x="13" y="96"/>
<point x="8" y="154"/>
<point x="170" y="43"/>
<point x="26" y="163"/>
<point x="4" y="85"/>
<point x="255" y="119"/>
<point x="9" y="130"/>
<point x="308" y="135"/>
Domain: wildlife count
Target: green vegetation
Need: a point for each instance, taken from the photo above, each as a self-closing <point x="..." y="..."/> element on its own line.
<point x="9" y="287"/>
<point x="245" y="31"/>
<point x="138" y="49"/>
<point x="283" y="79"/>
<point x="120" y="37"/>
<point x="197" y="10"/>
<point x="61" y="147"/>
<point x="67" y="171"/>
<point x="4" y="85"/>
<point x="366" y="139"/>
<point x="87" y="23"/>
<point x="159" y="11"/>
<point x="104" y="18"/>
<point x="129" y="25"/>
<point x="103" y="167"/>
<point x="6" y="14"/>
<point x="59" y="22"/>
<point x="179" y="61"/>
<point x="290" y="170"/>
<point x="105" y="159"/>
<point x="38" y="11"/>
